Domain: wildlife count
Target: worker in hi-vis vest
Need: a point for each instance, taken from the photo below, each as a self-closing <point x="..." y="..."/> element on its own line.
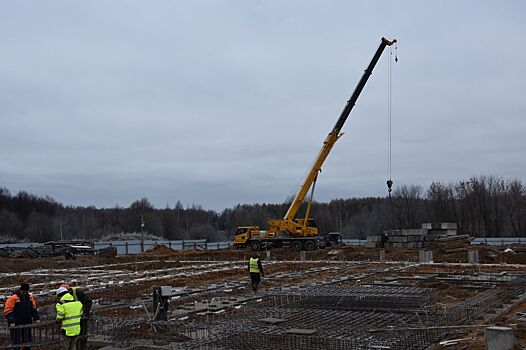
<point x="69" y="312"/>
<point x="256" y="271"/>
<point x="83" y="297"/>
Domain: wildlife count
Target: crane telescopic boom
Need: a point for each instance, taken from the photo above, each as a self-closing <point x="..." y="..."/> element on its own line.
<point x="334" y="134"/>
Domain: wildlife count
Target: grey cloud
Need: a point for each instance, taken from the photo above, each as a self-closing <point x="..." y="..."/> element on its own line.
<point x="224" y="102"/>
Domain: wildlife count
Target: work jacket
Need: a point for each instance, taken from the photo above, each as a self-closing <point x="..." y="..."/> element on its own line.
<point x="21" y="309"/>
<point x="83" y="298"/>
<point x="69" y="312"/>
<point x="254" y="264"/>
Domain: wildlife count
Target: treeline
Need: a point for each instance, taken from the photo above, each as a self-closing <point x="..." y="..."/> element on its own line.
<point x="483" y="206"/>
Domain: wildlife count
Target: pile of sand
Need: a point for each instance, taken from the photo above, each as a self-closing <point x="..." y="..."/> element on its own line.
<point x="159" y="249"/>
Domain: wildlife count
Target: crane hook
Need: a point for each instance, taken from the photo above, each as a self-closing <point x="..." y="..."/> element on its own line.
<point x="389" y="185"/>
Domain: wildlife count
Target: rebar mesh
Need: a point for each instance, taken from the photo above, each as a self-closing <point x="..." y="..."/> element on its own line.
<point x="330" y="316"/>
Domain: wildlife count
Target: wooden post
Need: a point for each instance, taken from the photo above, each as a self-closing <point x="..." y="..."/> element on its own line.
<point x="126" y="245"/>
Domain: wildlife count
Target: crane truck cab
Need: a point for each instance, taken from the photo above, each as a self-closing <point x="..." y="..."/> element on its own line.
<point x="248" y="236"/>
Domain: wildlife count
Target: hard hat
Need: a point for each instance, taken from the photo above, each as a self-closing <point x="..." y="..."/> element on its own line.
<point x="61" y="290"/>
<point x="65" y="286"/>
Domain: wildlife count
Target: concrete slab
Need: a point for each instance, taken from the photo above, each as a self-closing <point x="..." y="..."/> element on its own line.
<point x="301" y="331"/>
<point x="499" y="338"/>
<point x="272" y="320"/>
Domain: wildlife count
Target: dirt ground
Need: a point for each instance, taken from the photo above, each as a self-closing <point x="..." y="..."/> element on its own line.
<point x="493" y="260"/>
<point x="487" y="255"/>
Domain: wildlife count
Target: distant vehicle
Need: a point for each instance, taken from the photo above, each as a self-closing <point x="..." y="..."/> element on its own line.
<point x="332" y="238"/>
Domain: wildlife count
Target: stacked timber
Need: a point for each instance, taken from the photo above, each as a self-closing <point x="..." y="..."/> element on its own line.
<point x="519" y="248"/>
<point x="454" y="244"/>
<point x="26" y="253"/>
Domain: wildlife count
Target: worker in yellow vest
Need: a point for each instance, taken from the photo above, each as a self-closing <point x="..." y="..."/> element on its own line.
<point x="69" y="312"/>
<point x="85" y="300"/>
<point x="256" y="271"/>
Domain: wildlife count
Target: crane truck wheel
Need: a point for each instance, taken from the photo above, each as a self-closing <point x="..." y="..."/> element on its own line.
<point x="255" y="246"/>
<point x="310" y="245"/>
<point x="297" y="246"/>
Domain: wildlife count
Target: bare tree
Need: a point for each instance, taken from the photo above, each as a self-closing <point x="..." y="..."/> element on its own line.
<point x="407" y="206"/>
<point x="515" y="205"/>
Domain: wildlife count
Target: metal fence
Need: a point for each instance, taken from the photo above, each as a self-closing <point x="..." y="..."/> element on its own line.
<point x="499" y="241"/>
<point x="136" y="246"/>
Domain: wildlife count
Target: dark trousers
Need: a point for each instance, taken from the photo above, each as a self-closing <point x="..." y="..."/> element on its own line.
<point x="255" y="279"/>
<point x="82" y="342"/>
<point x="21" y="336"/>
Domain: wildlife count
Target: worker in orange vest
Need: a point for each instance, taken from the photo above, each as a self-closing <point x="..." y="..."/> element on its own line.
<point x="21" y="309"/>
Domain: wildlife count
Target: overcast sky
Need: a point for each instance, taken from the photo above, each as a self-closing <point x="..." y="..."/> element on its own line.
<point x="226" y="102"/>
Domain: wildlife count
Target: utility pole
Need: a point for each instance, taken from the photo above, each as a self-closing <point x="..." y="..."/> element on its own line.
<point x="142" y="234"/>
<point x="60" y="226"/>
<point x="340" y="216"/>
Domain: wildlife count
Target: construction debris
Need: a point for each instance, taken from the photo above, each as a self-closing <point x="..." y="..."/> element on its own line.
<point x="426" y="237"/>
<point x="68" y="249"/>
<point x="454" y="244"/>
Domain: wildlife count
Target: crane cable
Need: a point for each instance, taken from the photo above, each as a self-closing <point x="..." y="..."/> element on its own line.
<point x="389" y="115"/>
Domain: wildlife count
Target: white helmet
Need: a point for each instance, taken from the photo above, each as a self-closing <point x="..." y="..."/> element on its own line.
<point x="61" y="290"/>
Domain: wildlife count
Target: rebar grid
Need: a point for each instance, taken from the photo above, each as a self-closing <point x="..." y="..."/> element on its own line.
<point x="341" y="290"/>
<point x="401" y="299"/>
<point x="333" y="329"/>
<point x="44" y="335"/>
<point x="332" y="312"/>
<point x="250" y="340"/>
<point x="475" y="307"/>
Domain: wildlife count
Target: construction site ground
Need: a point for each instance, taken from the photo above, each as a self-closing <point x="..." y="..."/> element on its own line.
<point x="344" y="297"/>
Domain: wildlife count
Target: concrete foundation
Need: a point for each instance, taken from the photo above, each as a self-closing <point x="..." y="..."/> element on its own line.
<point x="429" y="256"/>
<point x="473" y="257"/>
<point x="499" y="338"/>
<point x="425" y="256"/>
<point x="302" y="255"/>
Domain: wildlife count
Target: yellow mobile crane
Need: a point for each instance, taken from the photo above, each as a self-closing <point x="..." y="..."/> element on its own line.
<point x="302" y="233"/>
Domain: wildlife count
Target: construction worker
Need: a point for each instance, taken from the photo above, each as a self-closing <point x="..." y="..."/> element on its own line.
<point x="69" y="312"/>
<point x="21" y="309"/>
<point x="85" y="300"/>
<point x="256" y="271"/>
